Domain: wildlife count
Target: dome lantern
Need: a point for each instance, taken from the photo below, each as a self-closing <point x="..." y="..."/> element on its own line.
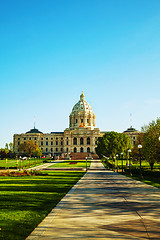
<point x="82" y="97"/>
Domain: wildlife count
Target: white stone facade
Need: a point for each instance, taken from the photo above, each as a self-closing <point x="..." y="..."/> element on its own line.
<point x="81" y="136"/>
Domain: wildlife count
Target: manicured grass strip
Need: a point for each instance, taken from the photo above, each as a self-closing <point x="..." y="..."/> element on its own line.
<point x="26" y="200"/>
<point x="14" y="163"/>
<point x="72" y="164"/>
<point x="135" y="164"/>
<point x="147" y="178"/>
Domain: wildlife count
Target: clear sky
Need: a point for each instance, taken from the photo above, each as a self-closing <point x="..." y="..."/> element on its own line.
<point x="52" y="50"/>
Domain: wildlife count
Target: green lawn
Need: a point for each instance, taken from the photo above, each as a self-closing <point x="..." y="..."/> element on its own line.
<point x="149" y="177"/>
<point x="72" y="164"/>
<point x="26" y="200"/>
<point x="14" y="163"/>
<point x="135" y="164"/>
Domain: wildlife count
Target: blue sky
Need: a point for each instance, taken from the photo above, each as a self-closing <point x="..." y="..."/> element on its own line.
<point x="52" y="50"/>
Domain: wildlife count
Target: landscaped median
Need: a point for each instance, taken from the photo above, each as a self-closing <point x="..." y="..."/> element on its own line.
<point x="151" y="177"/>
<point x="26" y="200"/>
<point x="20" y="163"/>
<point x="71" y="164"/>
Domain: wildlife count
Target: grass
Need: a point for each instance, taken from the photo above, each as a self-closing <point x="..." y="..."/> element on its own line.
<point x="72" y="164"/>
<point x="17" y="164"/>
<point x="149" y="177"/>
<point x="135" y="164"/>
<point x="26" y="200"/>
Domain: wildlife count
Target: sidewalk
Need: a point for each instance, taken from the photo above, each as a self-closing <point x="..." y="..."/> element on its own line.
<point x="104" y="205"/>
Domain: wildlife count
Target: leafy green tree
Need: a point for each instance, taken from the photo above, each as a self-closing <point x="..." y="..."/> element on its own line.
<point x="135" y="150"/>
<point x="113" y="143"/>
<point x="9" y="147"/>
<point x="38" y="152"/>
<point x="151" y="143"/>
<point x="29" y="147"/>
<point x="3" y="153"/>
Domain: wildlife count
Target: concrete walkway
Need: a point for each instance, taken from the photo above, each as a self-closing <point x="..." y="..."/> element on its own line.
<point x="45" y="165"/>
<point x="104" y="205"/>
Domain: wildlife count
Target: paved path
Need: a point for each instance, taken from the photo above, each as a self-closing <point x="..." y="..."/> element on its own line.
<point x="104" y="205"/>
<point x="45" y="165"/>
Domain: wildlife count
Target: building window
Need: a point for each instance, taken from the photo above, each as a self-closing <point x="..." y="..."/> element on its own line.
<point x="96" y="142"/>
<point x="51" y="149"/>
<point x="67" y="137"/>
<point x="61" y="143"/>
<point x="88" y="150"/>
<point x="81" y="150"/>
<point x="66" y="149"/>
<point x="56" y="138"/>
<point x="82" y="120"/>
<point x="47" y="143"/>
<point x="18" y="138"/>
<point x="46" y="149"/>
<point x="61" y="149"/>
<point x="51" y="138"/>
<point x="41" y="138"/>
<point x="18" y="143"/>
<point x="24" y="138"/>
<point x="56" y="142"/>
<point x="62" y="138"/>
<point x="29" y="138"/>
<point x="56" y="149"/>
<point x="81" y="141"/>
<point x="42" y="149"/>
<point x="134" y="138"/>
<point x="75" y="149"/>
<point x="35" y="138"/>
<point x="87" y="120"/>
<point x="41" y="143"/>
<point x="46" y="138"/>
<point x="74" y="141"/>
<point x="51" y="143"/>
<point x="88" y="140"/>
<point x="67" y="142"/>
<point x="76" y="120"/>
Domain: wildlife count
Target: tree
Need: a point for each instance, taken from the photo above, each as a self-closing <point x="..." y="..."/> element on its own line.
<point x="28" y="147"/>
<point x="38" y="152"/>
<point x="139" y="141"/>
<point x="3" y="153"/>
<point x="151" y="143"/>
<point x="113" y="143"/>
<point x="9" y="147"/>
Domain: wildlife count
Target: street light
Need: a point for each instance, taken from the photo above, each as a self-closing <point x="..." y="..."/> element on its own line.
<point x="129" y="151"/>
<point x="86" y="164"/>
<point x="117" y="161"/>
<point x="122" y="161"/>
<point x="114" y="163"/>
<point x="139" y="147"/>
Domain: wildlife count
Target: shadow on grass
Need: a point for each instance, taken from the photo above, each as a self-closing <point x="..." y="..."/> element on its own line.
<point x="25" y="201"/>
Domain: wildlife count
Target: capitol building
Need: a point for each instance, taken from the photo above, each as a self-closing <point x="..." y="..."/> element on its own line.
<point x="81" y="136"/>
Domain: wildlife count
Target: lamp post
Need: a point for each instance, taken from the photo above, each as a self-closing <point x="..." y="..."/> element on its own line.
<point x="117" y="161"/>
<point x="86" y="164"/>
<point x="114" y="163"/>
<point x="129" y="151"/>
<point x="122" y="161"/>
<point x="139" y="147"/>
